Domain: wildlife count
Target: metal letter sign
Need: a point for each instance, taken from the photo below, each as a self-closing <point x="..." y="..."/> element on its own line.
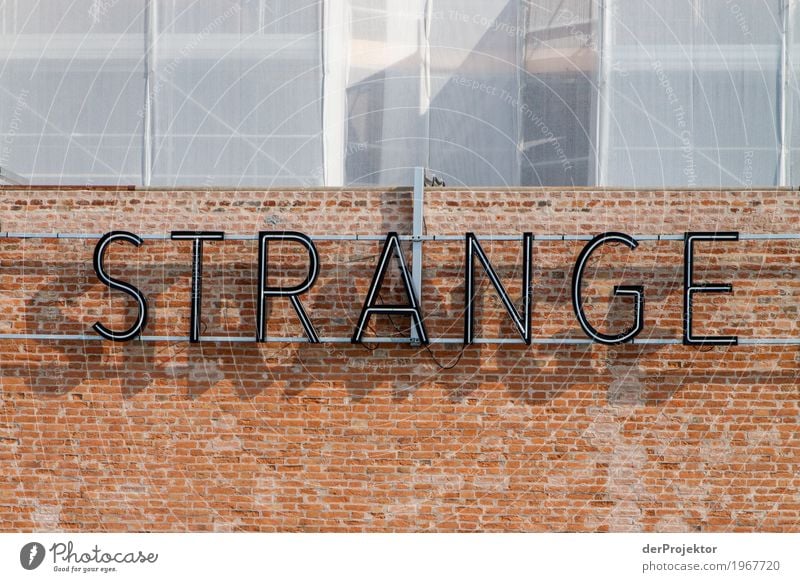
<point x="521" y="318"/>
<point x="690" y="288"/>
<point x="97" y="262"/>
<point x="392" y="246"/>
<point x="636" y="291"/>
<point x="522" y="322"/>
<point x="291" y="292"/>
<point x="197" y="238"/>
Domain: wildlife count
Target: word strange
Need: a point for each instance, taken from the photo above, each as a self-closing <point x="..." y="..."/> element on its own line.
<point x="412" y="307"/>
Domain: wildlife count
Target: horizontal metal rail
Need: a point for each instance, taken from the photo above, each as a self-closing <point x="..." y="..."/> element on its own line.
<point x="377" y="340"/>
<point x="404" y="237"/>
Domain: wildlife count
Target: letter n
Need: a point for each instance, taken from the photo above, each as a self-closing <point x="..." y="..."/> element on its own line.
<point x="521" y="321"/>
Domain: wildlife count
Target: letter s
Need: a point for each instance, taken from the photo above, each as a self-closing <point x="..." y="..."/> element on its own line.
<point x="141" y="320"/>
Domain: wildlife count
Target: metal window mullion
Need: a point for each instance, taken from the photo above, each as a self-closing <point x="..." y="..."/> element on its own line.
<point x="334" y="50"/>
<point x="603" y="91"/>
<point x="520" y="47"/>
<point x="784" y="176"/>
<point x="148" y="133"/>
<point x="425" y="80"/>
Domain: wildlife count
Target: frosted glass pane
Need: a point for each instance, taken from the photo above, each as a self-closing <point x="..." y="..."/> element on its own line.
<point x="510" y="92"/>
<point x="72" y="91"/>
<point x="650" y="23"/>
<point x="559" y="87"/>
<point x="387" y="122"/>
<point x="693" y="94"/>
<point x="476" y="49"/>
<point x="241" y="16"/>
<point x="237" y="94"/>
<point x="483" y="92"/>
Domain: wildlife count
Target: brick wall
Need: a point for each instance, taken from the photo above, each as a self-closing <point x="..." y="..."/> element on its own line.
<point x="169" y="436"/>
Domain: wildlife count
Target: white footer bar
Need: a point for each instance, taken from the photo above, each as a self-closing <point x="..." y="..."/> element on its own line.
<point x="371" y="557"/>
